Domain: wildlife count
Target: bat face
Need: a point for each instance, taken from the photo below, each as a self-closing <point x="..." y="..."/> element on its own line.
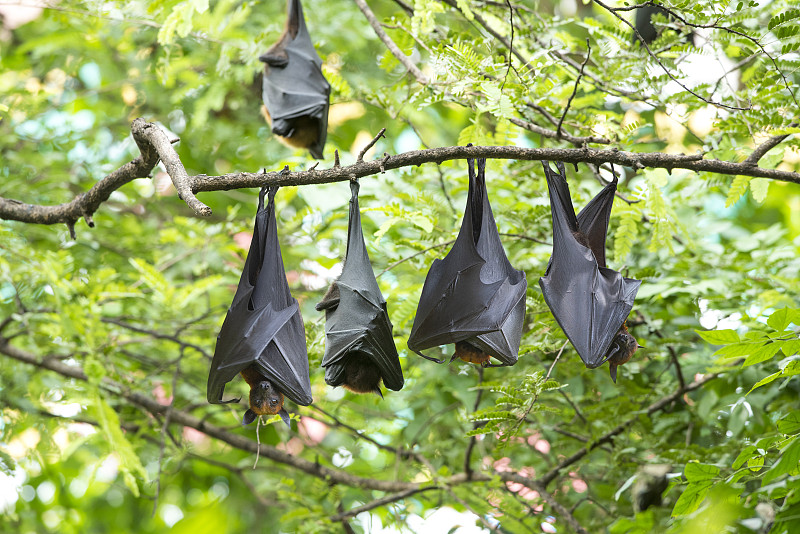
<point x="621" y="351"/>
<point x="265" y="399"/>
<point x="589" y="300"/>
<point x="295" y="92"/>
<point x="473" y="297"/>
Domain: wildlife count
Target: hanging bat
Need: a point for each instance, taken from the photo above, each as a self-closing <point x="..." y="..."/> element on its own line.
<point x="589" y="300"/>
<point x="295" y="93"/>
<point x="359" y="347"/>
<point x="473" y="297"/>
<point x="263" y="337"/>
<point x="644" y="24"/>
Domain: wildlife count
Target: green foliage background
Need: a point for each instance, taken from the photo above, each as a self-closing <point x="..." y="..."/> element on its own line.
<point x="715" y="252"/>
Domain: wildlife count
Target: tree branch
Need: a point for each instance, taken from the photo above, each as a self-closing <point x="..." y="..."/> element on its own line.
<point x="396" y="52"/>
<point x="766" y="146"/>
<point x="609" y="436"/>
<point x="190" y="185"/>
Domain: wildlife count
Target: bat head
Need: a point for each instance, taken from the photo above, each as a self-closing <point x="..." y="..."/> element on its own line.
<point x="265" y="399"/>
<point x="362" y="375"/>
<point x="622" y="349"/>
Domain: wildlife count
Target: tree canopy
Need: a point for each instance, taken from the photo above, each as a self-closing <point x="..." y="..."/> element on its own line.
<point x="113" y="286"/>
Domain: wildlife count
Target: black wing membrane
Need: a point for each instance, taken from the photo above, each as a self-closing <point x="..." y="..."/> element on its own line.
<point x="358" y="325"/>
<point x="263" y="326"/>
<point x="473" y="294"/>
<point x="589" y="300"/>
<point x="294" y="88"/>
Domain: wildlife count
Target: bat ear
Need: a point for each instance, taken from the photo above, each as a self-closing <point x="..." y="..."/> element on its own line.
<point x="640" y="346"/>
<point x="455" y="355"/>
<point x="285" y="417"/>
<point x="275" y="59"/>
<point x="612" y="368"/>
<point x="378" y="391"/>
<point x="249" y="417"/>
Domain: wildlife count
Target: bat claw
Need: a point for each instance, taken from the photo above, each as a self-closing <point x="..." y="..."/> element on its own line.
<point x="285" y="417"/>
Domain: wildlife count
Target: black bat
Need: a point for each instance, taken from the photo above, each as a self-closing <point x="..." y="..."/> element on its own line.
<point x="589" y="300"/>
<point x="473" y="297"/>
<point x="263" y="337"/>
<point x="295" y="93"/>
<point x="359" y="347"/>
<point x="644" y="23"/>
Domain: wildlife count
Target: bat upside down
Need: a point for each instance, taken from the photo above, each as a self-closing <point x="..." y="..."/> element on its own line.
<point x="265" y="397"/>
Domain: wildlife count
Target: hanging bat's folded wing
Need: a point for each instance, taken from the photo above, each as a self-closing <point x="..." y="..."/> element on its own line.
<point x="295" y="92"/>
<point x="589" y="301"/>
<point x="263" y="326"/>
<point x="358" y="325"/>
<point x="473" y="294"/>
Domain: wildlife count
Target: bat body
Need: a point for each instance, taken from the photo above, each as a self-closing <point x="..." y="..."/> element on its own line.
<point x="263" y="337"/>
<point x="470" y="354"/>
<point x="589" y="300"/>
<point x="473" y="297"/>
<point x="295" y="92"/>
<point x="359" y="347"/>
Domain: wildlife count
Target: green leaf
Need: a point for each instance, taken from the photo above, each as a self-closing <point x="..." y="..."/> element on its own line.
<point x="738" y="188"/>
<point x="129" y="463"/>
<point x="744" y="455"/>
<point x="696" y="472"/>
<point x="719" y="337"/>
<point x="763" y="354"/>
<point x="759" y="187"/>
<point x="788" y="463"/>
<point x="790" y="424"/>
<point x="766" y="380"/>
<point x="780" y="319"/>
<point x="691" y="498"/>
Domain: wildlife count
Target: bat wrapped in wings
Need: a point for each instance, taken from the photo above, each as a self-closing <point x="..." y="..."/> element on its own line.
<point x="359" y="348"/>
<point x="295" y="93"/>
<point x="263" y="337"/>
<point x="473" y="297"/>
<point x="589" y="300"/>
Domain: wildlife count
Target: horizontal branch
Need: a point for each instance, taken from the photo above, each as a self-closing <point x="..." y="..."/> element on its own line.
<point x="154" y="146"/>
<point x="334" y="476"/>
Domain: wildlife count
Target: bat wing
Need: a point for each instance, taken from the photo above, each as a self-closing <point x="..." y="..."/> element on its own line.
<point x="360" y="322"/>
<point x="293" y="84"/>
<point x="263" y="325"/>
<point x="589" y="301"/>
<point x="473" y="294"/>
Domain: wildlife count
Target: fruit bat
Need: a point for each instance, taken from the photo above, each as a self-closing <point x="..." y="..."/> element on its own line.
<point x="473" y="297"/>
<point x="263" y="337"/>
<point x="644" y="24"/>
<point x="589" y="300"/>
<point x="359" y="348"/>
<point x="295" y="93"/>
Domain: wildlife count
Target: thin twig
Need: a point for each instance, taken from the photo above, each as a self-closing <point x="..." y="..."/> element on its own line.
<point x="423" y="251"/>
<point x="575" y="89"/>
<point x="475" y="425"/>
<point x="364" y="150"/>
<point x="393" y="48"/>
<point x="663" y="67"/>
